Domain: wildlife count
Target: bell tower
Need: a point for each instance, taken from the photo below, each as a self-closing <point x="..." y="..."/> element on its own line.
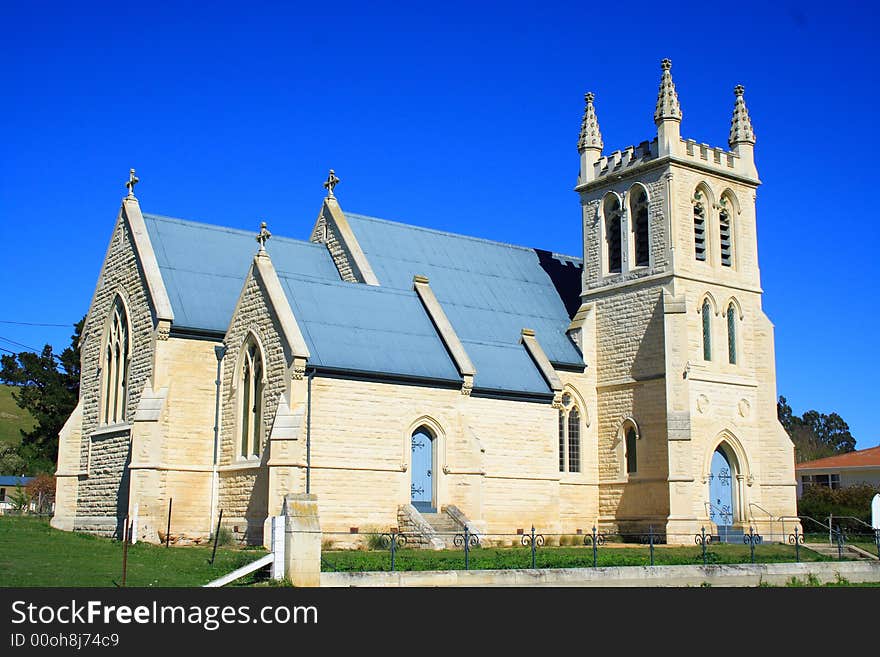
<point x="671" y="316"/>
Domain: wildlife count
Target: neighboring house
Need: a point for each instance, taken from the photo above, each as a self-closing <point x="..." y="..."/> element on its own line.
<point x="8" y="485"/>
<point x="393" y="370"/>
<point x="860" y="467"/>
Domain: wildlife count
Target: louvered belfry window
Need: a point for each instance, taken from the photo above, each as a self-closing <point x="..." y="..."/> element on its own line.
<point x="612" y="234"/>
<point x="726" y="239"/>
<point x="640" y="229"/>
<point x="699" y="231"/>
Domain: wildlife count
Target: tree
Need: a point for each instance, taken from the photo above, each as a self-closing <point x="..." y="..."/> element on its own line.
<point x="48" y="392"/>
<point x="11" y="462"/>
<point x="815" y="435"/>
<point x="41" y="491"/>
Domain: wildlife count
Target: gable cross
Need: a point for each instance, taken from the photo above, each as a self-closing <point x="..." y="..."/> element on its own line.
<point x="132" y="181"/>
<point x="330" y="183"/>
<point x="263" y="236"/>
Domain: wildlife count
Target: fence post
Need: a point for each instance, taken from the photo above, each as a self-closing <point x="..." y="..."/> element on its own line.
<point x="216" y="536"/>
<point x="797" y="546"/>
<point x="467" y="540"/>
<point x="877" y="541"/>
<point x="839" y="544"/>
<point x="393" y="548"/>
<point x="533" y="547"/>
<point x="703" y="543"/>
<point x="651" y="541"/>
<point x="302" y="549"/>
<point x="168" y="527"/>
<point x="752" y="544"/>
<point x="279" y="524"/>
<point x="595" y="547"/>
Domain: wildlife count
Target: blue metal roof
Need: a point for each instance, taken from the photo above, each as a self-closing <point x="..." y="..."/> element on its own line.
<point x="490" y="291"/>
<point x="14" y="481"/>
<point x="204" y="267"/>
<point x="367" y="329"/>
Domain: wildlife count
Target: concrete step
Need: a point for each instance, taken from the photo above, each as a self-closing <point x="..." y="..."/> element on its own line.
<point x="445" y="527"/>
<point x="849" y="552"/>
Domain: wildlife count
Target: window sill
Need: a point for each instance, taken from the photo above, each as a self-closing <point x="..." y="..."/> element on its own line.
<point x="110" y="428"/>
<point x="242" y="464"/>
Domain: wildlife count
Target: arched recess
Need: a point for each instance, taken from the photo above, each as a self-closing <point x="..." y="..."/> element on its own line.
<point x="425" y="446"/>
<point x="249" y="383"/>
<point x="612" y="233"/>
<point x="638" y="202"/>
<point x="740" y="473"/>
<point x="573" y="419"/>
<point x="625" y="446"/>
<point x="116" y="349"/>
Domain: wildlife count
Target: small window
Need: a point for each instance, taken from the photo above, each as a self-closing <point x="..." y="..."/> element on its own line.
<point x="699" y="229"/>
<point x="726" y="239"/>
<point x="707" y="330"/>
<point x="569" y="436"/>
<point x="612" y="234"/>
<point x="631" y="455"/>
<point x="731" y="334"/>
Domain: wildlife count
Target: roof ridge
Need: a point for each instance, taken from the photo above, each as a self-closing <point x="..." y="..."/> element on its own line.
<point x="226" y="229"/>
<point x="448" y="233"/>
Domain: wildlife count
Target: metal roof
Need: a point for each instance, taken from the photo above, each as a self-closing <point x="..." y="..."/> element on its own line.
<point x="14" y="481"/>
<point x="364" y="328"/>
<point x="204" y="266"/>
<point x="490" y="291"/>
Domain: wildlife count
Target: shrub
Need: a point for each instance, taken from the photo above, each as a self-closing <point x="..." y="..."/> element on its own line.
<point x="819" y="502"/>
<point x="224" y="536"/>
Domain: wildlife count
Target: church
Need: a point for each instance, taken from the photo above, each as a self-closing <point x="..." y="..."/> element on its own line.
<point x="408" y="377"/>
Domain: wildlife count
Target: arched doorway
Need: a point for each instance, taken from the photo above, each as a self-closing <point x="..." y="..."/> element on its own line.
<point x="722" y="479"/>
<point x="422" y="492"/>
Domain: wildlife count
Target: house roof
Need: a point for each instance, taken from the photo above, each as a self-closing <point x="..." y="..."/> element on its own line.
<point x="14" y="480"/>
<point x="863" y="458"/>
<point x="490" y="291"/>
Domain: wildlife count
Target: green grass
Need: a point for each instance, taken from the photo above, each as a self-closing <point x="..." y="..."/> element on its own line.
<point x="12" y="418"/>
<point x="34" y="554"/>
<point x="557" y="557"/>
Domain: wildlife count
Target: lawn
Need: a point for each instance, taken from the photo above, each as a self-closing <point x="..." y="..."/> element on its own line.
<point x="558" y="557"/>
<point x="12" y="418"/>
<point x="34" y="554"/>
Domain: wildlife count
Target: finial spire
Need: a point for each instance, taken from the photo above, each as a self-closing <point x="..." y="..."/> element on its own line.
<point x="740" y="125"/>
<point x="330" y="183"/>
<point x="132" y="181"/>
<point x="263" y="237"/>
<point x="590" y="136"/>
<point x="667" y="99"/>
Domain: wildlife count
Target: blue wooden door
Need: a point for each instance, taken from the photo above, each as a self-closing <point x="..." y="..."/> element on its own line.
<point x="422" y="488"/>
<point x="721" y="493"/>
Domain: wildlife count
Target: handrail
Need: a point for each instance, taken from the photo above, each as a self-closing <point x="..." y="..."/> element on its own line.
<point x="859" y="520"/>
<point x="770" y="515"/>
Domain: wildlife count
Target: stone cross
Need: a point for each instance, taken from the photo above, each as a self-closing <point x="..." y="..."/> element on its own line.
<point x="330" y="183"/>
<point x="263" y="236"/>
<point x="132" y="181"/>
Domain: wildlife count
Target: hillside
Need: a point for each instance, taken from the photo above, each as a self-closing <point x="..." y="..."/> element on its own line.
<point x="12" y="418"/>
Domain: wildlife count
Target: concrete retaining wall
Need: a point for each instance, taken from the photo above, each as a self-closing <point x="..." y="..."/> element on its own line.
<point x="627" y="576"/>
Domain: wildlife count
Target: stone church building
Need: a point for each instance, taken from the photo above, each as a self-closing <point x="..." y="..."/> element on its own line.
<point x="404" y="375"/>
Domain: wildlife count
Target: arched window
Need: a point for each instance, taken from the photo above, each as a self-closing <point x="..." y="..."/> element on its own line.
<point x="612" y="234"/>
<point x="115" y="384"/>
<point x="574" y="440"/>
<point x="707" y="330"/>
<point x="631" y="454"/>
<point x="725" y="233"/>
<point x="639" y="220"/>
<point x="731" y="334"/>
<point x="569" y="435"/>
<point x="699" y="227"/>
<point x="250" y="393"/>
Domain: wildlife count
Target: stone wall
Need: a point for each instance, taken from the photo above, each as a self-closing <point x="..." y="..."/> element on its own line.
<point x="101" y="501"/>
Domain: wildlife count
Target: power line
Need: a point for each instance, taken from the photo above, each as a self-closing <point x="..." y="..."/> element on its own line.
<point x="37" y="351"/>
<point x="8" y="321"/>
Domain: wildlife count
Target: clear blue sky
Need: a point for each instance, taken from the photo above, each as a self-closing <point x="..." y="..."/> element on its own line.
<point x="457" y="116"/>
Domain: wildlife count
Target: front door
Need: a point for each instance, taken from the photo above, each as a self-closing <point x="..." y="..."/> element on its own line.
<point x="422" y="487"/>
<point x="721" y="495"/>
